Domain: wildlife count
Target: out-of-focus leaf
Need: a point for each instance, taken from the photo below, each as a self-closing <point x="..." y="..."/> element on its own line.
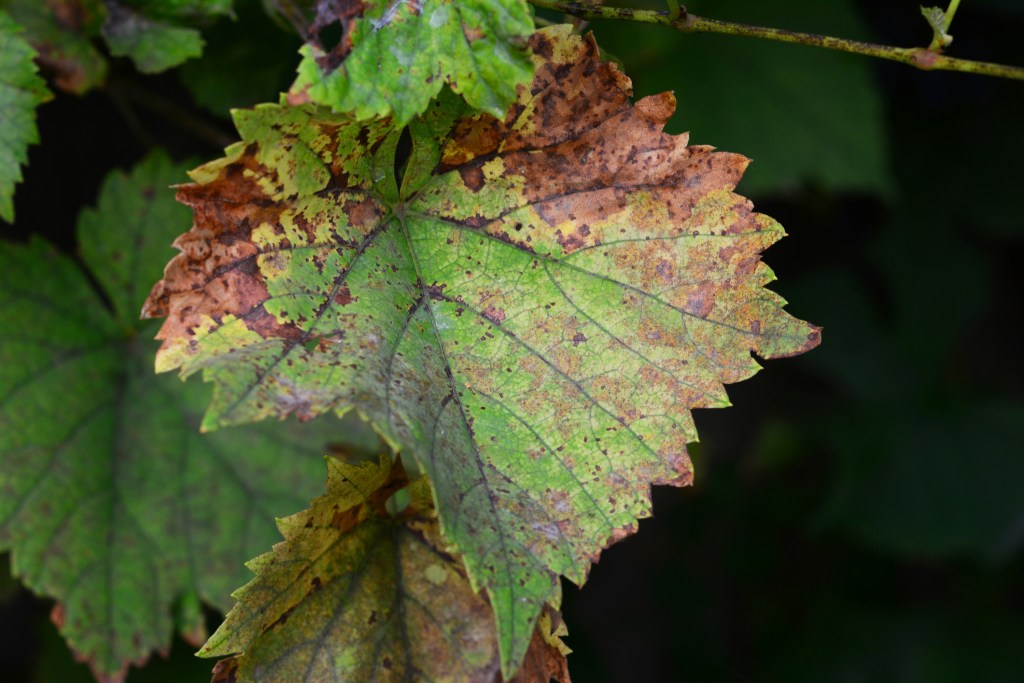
<point x="396" y="56"/>
<point x="110" y="500"/>
<point x="61" y="32"/>
<point x="531" y="316"/>
<point x="936" y="18"/>
<point x="357" y="592"/>
<point x="156" y="34"/>
<point x="802" y="115"/>
<point x="21" y="91"/>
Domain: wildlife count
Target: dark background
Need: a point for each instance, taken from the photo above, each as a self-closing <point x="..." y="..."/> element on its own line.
<point x="858" y="515"/>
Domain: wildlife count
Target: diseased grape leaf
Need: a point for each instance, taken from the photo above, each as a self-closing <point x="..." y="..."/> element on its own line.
<point x="61" y="32"/>
<point x="531" y="316"/>
<point x="155" y="34"/>
<point x="360" y="590"/>
<point x="395" y="57"/>
<point x="110" y="500"/>
<point x="21" y="91"/>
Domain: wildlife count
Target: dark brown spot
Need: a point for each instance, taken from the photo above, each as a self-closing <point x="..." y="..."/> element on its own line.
<point x="344" y="296"/>
<point x="473" y="177"/>
<point x="436" y="291"/>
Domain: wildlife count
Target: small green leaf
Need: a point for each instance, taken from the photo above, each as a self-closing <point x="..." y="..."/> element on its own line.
<point x="21" y="91"/>
<point x="531" y="316"/>
<point x="110" y="500"/>
<point x="936" y="18"/>
<point x="403" y="53"/>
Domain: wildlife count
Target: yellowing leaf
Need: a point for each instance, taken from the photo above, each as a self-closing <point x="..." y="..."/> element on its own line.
<point x="531" y="315"/>
<point x="361" y="591"/>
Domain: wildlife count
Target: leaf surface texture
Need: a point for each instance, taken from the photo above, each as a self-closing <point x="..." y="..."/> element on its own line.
<point x="531" y="315"/>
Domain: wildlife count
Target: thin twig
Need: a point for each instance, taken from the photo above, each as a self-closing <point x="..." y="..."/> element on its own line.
<point x="919" y="57"/>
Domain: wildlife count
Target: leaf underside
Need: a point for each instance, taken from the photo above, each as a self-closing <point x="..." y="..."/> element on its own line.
<point x="396" y="56"/>
<point x="531" y="314"/>
<point x="110" y="500"/>
<point x="360" y="593"/>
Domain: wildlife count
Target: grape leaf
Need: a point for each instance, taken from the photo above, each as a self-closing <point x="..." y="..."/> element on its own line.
<point x="110" y="500"/>
<point x="152" y="32"/>
<point x="361" y="590"/>
<point x="531" y="316"/>
<point x="60" y="30"/>
<point x="21" y="91"/>
<point x="395" y="57"/>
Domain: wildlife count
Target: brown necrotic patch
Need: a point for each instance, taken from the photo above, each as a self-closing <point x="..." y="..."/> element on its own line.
<point x="344" y="296"/>
<point x="471" y="138"/>
<point x="364" y="214"/>
<point x="472" y="177"/>
<point x="216" y="274"/>
<point x="494" y="314"/>
<point x="573" y="240"/>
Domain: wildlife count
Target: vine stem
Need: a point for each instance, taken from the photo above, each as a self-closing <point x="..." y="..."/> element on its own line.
<point x="950" y="11"/>
<point x="919" y="57"/>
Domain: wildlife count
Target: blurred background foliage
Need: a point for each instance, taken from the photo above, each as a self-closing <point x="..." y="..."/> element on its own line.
<point x="858" y="515"/>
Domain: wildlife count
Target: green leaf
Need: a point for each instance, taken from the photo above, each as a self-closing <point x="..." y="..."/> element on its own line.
<point x="110" y="500"/>
<point x="402" y="53"/>
<point x="531" y="316"/>
<point x="21" y="91"/>
<point x="63" y="40"/>
<point x="357" y="593"/>
<point x="152" y="34"/>
<point x="804" y="115"/>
